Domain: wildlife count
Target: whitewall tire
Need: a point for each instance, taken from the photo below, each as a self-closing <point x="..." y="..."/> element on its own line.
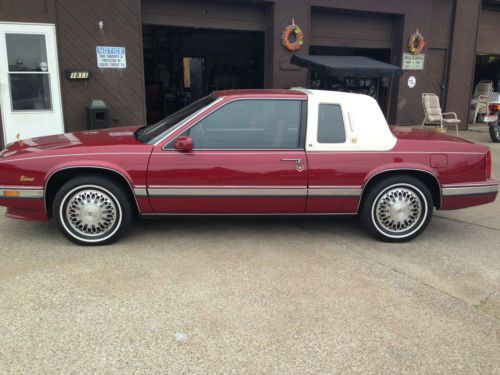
<point x="397" y="209"/>
<point x="92" y="210"/>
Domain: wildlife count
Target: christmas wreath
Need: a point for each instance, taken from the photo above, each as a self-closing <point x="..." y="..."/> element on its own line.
<point x="292" y="37"/>
<point x="416" y="43"/>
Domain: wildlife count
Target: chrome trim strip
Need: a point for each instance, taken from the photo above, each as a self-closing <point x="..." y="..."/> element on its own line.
<point x="250" y="214"/>
<point x="23" y="193"/>
<point x="141" y="192"/>
<point x="335" y="192"/>
<point x="226" y="192"/>
<point x="469" y="190"/>
<point x="251" y="191"/>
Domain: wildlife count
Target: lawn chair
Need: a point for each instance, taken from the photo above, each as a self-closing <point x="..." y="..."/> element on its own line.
<point x="481" y="99"/>
<point x="433" y="114"/>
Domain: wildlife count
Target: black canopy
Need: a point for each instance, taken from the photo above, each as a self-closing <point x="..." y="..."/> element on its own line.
<point x="347" y="66"/>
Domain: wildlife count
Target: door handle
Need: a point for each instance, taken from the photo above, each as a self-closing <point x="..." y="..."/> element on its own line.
<point x="298" y="161"/>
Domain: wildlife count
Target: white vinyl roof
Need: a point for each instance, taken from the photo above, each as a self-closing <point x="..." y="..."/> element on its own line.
<point x="365" y="125"/>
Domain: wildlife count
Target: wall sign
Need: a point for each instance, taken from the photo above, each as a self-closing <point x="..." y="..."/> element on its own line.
<point x="111" y="57"/>
<point x="413" y="62"/>
<point x="412" y="82"/>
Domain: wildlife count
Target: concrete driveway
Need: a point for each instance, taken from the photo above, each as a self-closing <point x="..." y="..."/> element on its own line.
<point x="254" y="296"/>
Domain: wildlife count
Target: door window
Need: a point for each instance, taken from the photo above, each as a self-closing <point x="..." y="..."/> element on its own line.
<point x="28" y="72"/>
<point x="250" y="124"/>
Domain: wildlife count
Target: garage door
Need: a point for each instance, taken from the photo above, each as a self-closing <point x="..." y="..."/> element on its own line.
<point x="489" y="31"/>
<point x="204" y="14"/>
<point x="358" y="30"/>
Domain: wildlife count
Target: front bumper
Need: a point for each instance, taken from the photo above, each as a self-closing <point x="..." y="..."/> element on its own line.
<point x="23" y="202"/>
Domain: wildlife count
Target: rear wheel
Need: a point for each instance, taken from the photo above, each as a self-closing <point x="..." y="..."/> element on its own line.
<point x="397" y="209"/>
<point x="92" y="210"/>
<point x="495" y="132"/>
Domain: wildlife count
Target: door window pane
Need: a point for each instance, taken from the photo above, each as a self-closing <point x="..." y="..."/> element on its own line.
<point x="26" y="52"/>
<point x="330" y="124"/>
<point x="30" y="91"/>
<point x="250" y="124"/>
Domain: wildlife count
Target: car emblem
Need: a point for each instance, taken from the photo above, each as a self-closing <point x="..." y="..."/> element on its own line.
<point x="26" y="179"/>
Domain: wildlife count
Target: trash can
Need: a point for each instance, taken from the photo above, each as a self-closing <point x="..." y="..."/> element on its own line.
<point x="97" y="115"/>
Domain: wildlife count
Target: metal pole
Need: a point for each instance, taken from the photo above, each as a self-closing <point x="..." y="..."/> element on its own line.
<point x="390" y="92"/>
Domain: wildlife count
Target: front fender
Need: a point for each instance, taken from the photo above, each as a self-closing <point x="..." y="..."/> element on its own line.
<point x="90" y="164"/>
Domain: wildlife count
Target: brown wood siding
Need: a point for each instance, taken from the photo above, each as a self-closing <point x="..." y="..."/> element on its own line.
<point x="462" y="59"/>
<point x="78" y="35"/>
<point x="441" y="24"/>
<point x="286" y="75"/>
<point x="204" y="14"/>
<point x="27" y="11"/>
<point x="435" y="69"/>
<point x="342" y="29"/>
<point x="488" y="39"/>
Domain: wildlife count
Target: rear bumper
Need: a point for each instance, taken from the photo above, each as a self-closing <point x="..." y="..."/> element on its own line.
<point x="459" y="196"/>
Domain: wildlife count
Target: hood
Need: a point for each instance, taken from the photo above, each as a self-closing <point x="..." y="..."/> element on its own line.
<point x="103" y="137"/>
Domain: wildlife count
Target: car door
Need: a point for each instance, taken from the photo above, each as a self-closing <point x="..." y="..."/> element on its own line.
<point x="248" y="158"/>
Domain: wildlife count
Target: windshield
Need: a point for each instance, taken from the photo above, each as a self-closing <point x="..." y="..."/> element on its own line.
<point x="153" y="133"/>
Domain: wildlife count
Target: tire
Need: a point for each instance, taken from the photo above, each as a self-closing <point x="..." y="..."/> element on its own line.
<point x="92" y="210"/>
<point x="397" y="209"/>
<point x="495" y="132"/>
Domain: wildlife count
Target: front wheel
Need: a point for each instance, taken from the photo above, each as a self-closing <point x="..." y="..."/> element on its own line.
<point x="495" y="132"/>
<point x="92" y="210"/>
<point x="397" y="209"/>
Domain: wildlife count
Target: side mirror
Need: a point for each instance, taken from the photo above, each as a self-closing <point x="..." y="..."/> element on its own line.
<point x="183" y="143"/>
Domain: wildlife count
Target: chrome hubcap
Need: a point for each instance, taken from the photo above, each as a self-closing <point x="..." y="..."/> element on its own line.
<point x="91" y="213"/>
<point x="398" y="210"/>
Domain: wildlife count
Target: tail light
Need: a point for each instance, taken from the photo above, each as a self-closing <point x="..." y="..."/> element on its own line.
<point x="494" y="107"/>
<point x="488" y="165"/>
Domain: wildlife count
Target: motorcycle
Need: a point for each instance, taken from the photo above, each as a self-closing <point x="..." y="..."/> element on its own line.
<point x="493" y="121"/>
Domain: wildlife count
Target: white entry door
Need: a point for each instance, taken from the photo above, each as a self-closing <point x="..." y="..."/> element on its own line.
<point x="30" y="95"/>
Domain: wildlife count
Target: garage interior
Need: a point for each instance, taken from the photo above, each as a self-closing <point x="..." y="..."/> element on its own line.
<point x="183" y="64"/>
<point x="195" y="47"/>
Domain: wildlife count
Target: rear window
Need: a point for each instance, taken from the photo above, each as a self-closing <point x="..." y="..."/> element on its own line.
<point x="330" y="124"/>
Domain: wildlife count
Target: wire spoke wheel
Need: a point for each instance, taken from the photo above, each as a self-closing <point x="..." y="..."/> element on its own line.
<point x="398" y="210"/>
<point x="91" y="212"/>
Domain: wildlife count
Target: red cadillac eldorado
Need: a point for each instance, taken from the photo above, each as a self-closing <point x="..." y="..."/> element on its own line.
<point x="253" y="152"/>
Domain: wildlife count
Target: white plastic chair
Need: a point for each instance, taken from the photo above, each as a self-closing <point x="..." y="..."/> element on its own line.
<point x="481" y="99"/>
<point x="433" y="114"/>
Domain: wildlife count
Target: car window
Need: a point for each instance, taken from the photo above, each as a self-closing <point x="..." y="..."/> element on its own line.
<point x="250" y="124"/>
<point x="330" y="124"/>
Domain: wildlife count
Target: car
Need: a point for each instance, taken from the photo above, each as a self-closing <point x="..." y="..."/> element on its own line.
<point x="247" y="152"/>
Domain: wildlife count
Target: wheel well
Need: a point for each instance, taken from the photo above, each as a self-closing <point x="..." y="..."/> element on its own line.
<point x="59" y="178"/>
<point x="427" y="178"/>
